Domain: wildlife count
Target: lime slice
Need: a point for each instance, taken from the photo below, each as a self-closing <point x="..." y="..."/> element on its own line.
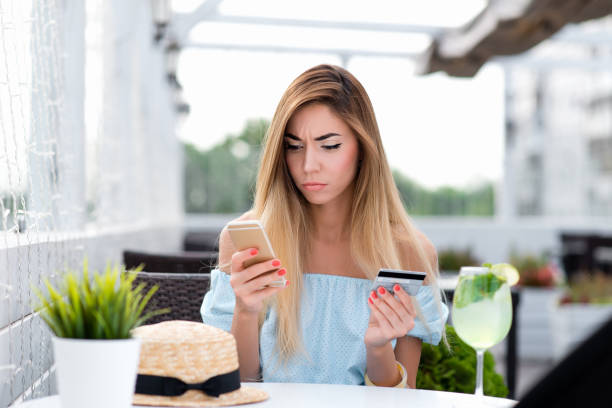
<point x="508" y="271"/>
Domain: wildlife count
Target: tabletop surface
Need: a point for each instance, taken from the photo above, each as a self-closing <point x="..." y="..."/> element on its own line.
<point x="354" y="396"/>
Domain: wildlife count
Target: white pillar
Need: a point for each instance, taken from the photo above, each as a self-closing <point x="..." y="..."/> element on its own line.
<point x="505" y="205"/>
<point x="71" y="140"/>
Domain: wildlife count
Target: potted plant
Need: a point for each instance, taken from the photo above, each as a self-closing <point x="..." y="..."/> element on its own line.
<point x="453" y="368"/>
<point x="451" y="260"/>
<point x="539" y="285"/>
<point x="91" y="318"/>
<point x="585" y="304"/>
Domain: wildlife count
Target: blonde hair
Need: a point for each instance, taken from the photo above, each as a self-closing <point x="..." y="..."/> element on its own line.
<point x="283" y="210"/>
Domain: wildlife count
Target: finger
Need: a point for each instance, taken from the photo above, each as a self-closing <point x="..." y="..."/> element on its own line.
<point x="404" y="313"/>
<point x="254" y="271"/>
<point x="407" y="306"/>
<point x="401" y="321"/>
<point x="405" y="299"/>
<point x="383" y="323"/>
<point x="395" y="304"/>
<point x="398" y="307"/>
<point x="263" y="280"/>
<point x="267" y="292"/>
<point x="384" y="303"/>
<point x="239" y="257"/>
<point x="261" y="268"/>
<point x="372" y="321"/>
<point x="390" y="316"/>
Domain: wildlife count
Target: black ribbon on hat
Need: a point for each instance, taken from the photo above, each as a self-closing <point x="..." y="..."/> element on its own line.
<point x="172" y="387"/>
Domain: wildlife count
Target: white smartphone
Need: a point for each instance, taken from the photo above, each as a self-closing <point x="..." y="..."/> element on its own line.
<point x="410" y="281"/>
<point x="251" y="234"/>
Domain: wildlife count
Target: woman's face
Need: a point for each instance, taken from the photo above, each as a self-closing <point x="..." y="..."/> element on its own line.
<point x="321" y="153"/>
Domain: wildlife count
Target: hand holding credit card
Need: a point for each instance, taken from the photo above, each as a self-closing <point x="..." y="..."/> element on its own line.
<point x="410" y="281"/>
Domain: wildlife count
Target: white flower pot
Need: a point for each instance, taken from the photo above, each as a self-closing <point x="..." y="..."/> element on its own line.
<point x="573" y="323"/>
<point x="96" y="373"/>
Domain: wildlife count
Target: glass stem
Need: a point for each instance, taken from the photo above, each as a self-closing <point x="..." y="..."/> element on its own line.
<point x="479" y="362"/>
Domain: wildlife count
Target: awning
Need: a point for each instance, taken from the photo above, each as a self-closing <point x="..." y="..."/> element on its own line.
<point x="504" y="27"/>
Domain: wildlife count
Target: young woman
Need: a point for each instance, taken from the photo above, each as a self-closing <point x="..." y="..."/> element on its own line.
<point x="327" y="200"/>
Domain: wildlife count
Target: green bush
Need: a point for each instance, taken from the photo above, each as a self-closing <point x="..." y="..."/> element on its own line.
<point x="454" y="370"/>
<point x="105" y="306"/>
<point x="453" y="259"/>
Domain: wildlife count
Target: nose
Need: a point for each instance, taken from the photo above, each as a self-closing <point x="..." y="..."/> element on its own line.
<point x="311" y="161"/>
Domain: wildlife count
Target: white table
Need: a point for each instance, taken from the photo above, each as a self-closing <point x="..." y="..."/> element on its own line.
<point x="293" y="395"/>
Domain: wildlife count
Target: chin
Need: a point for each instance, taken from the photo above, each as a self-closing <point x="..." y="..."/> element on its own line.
<point x="316" y="199"/>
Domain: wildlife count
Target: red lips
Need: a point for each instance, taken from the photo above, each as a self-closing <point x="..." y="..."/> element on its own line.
<point x="313" y="186"/>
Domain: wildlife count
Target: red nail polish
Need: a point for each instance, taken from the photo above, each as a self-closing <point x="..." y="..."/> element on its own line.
<point x="373" y="295"/>
<point x="396" y="288"/>
<point x="276" y="262"/>
<point x="381" y="290"/>
<point x="254" y="252"/>
<point x="281" y="272"/>
<point x="370" y="300"/>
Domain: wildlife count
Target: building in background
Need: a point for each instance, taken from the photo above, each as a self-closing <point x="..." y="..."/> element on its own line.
<point x="558" y="157"/>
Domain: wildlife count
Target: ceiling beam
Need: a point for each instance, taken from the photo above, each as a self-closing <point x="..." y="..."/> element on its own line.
<point x="527" y="61"/>
<point x="184" y="22"/>
<point x="505" y="28"/>
<point x="343" y="25"/>
<point x="343" y="53"/>
<point x="454" y="45"/>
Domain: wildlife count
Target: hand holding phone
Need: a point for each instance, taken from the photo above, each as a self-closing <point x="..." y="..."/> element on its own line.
<point x="251" y="234"/>
<point x="410" y="281"/>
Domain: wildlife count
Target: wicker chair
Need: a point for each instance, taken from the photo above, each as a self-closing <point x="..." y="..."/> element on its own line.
<point x="181" y="292"/>
<point x="180" y="262"/>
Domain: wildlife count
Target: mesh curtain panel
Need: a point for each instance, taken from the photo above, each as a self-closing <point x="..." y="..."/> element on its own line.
<point x="87" y="146"/>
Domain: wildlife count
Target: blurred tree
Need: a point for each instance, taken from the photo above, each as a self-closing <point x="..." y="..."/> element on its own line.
<point x="222" y="180"/>
<point x="446" y="200"/>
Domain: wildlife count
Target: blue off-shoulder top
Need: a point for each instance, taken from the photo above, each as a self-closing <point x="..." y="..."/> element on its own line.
<point x="333" y="320"/>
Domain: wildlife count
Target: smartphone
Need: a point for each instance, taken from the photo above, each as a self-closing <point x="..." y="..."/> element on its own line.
<point x="410" y="281"/>
<point x="251" y="234"/>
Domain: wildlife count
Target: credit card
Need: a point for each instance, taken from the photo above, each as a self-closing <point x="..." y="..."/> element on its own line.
<point x="410" y="281"/>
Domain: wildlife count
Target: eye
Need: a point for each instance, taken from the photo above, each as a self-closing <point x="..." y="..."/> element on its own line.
<point x="332" y="147"/>
<point x="293" y="147"/>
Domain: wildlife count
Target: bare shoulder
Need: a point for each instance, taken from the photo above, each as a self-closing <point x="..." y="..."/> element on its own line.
<point x="226" y="246"/>
<point x="428" y="246"/>
<point x="411" y="257"/>
<point x="249" y="215"/>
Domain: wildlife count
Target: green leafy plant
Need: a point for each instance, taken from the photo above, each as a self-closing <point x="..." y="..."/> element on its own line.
<point x="477" y="287"/>
<point x="103" y="306"/>
<point x="593" y="288"/>
<point x="454" y="369"/>
<point x="454" y="259"/>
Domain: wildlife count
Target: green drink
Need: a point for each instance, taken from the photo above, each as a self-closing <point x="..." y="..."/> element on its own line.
<point x="484" y="323"/>
<point x="482" y="311"/>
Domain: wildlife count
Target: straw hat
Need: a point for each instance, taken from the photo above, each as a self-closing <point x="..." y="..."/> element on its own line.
<point x="177" y="352"/>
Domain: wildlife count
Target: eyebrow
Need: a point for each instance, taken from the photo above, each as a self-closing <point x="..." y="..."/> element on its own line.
<point x="318" y="139"/>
